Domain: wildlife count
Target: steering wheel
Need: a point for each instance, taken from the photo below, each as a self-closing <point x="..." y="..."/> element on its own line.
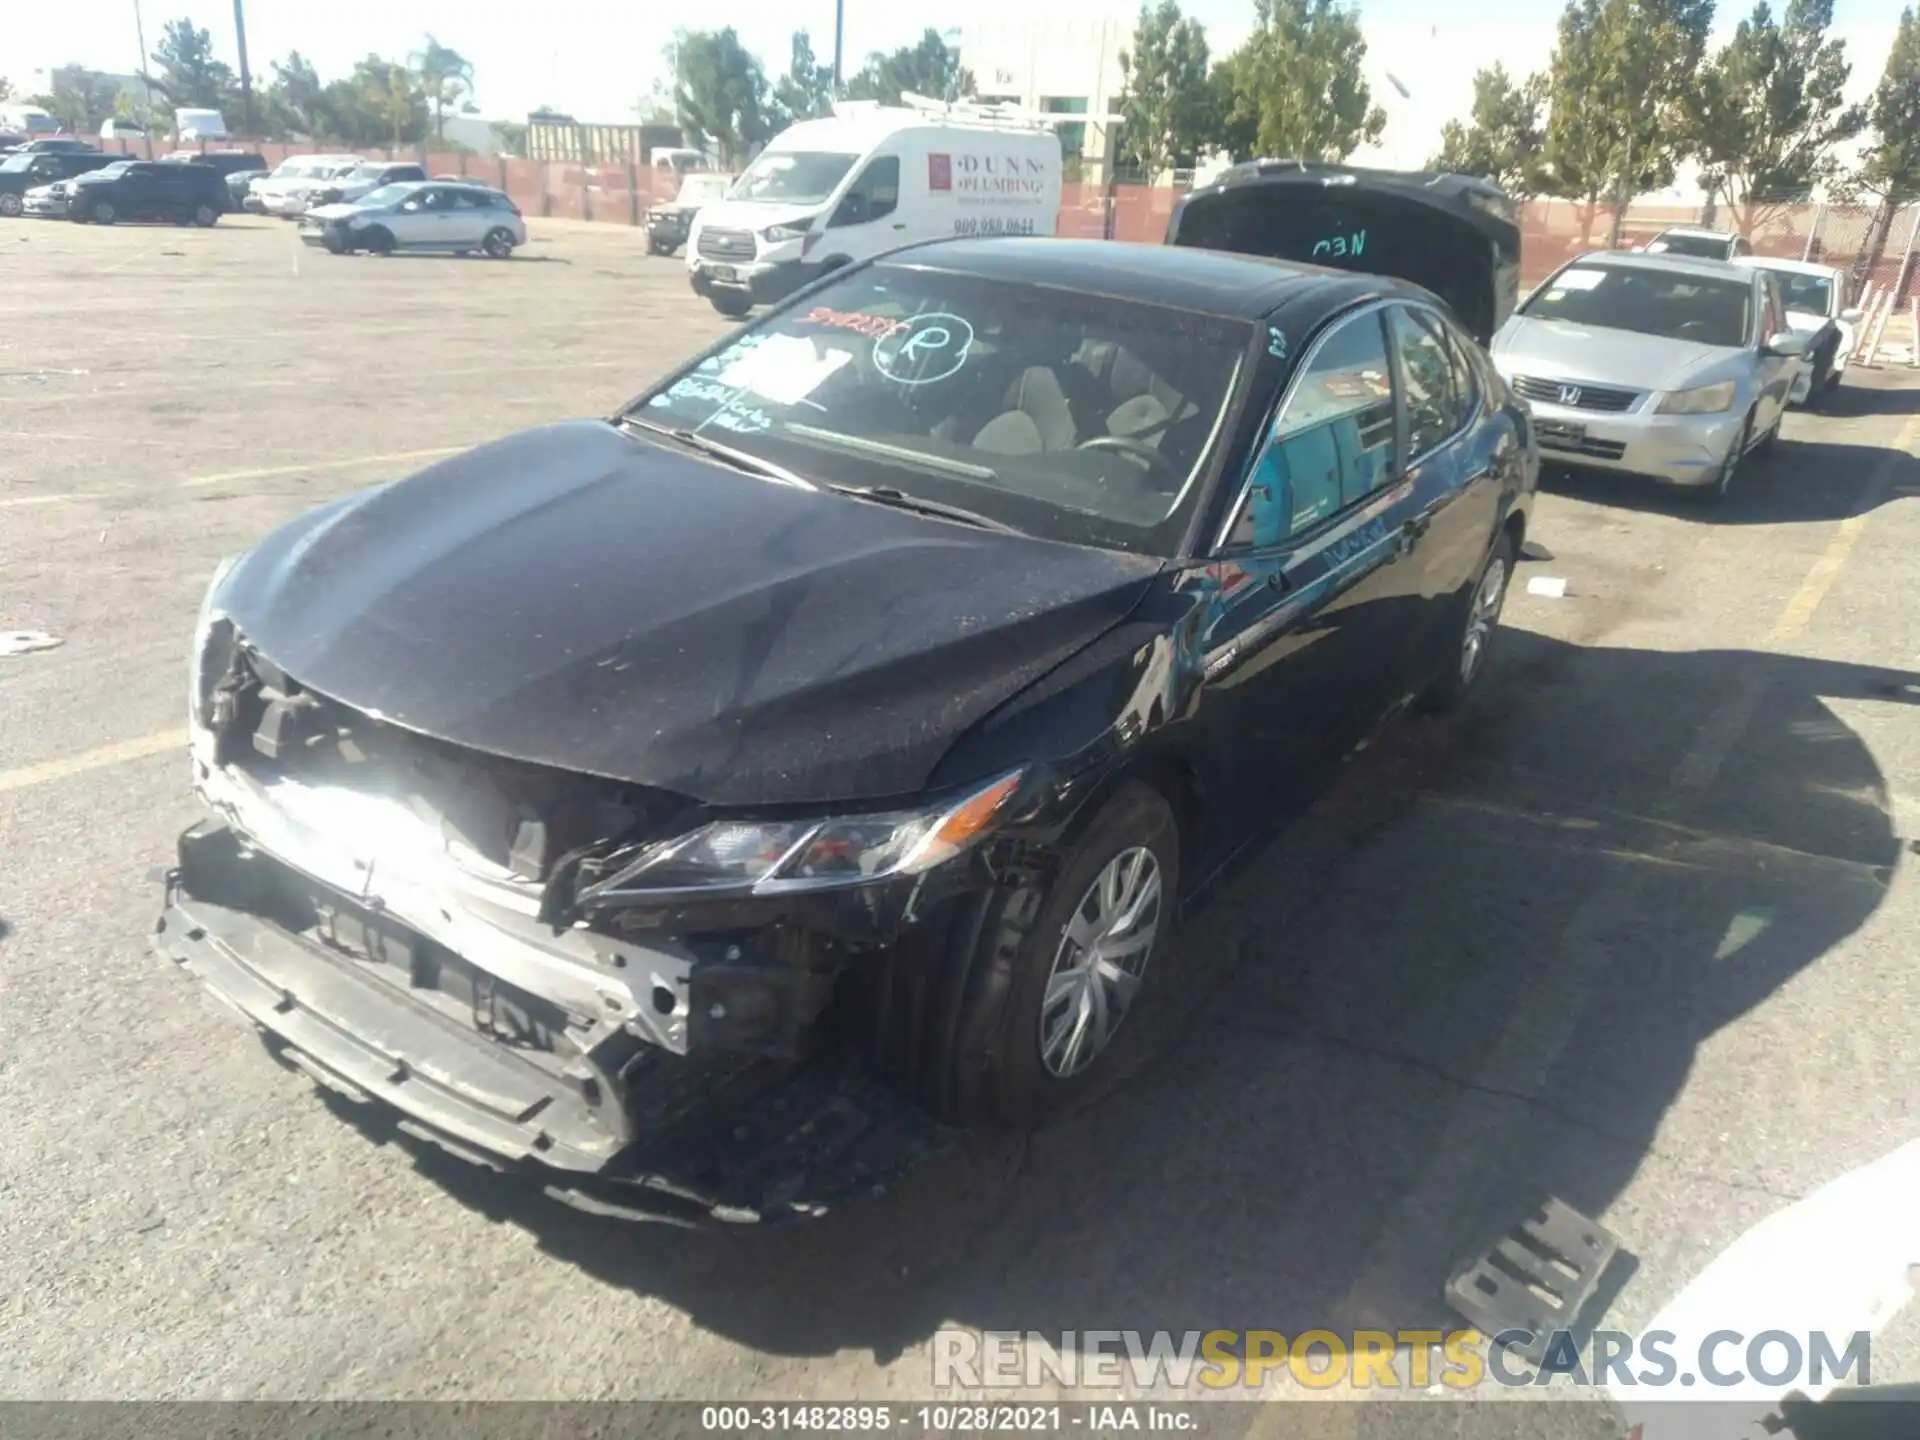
<point x="1137" y="449"/>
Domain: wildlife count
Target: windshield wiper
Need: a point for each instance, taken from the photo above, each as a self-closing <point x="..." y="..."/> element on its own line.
<point x="900" y="500"/>
<point x="739" y="459"/>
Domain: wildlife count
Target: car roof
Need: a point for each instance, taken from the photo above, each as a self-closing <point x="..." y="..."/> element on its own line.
<point x="1791" y="267"/>
<point x="1698" y="230"/>
<point x="1701" y="265"/>
<point x="1216" y="282"/>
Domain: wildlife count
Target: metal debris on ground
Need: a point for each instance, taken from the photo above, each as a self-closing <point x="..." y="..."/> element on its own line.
<point x="25" y="642"/>
<point x="1554" y="587"/>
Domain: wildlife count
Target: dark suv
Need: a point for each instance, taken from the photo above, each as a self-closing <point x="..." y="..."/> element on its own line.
<point x="149" y="190"/>
<point x="22" y="172"/>
<point x="227" y="162"/>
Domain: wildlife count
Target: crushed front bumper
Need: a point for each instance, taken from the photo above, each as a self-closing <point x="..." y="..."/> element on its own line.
<point x="635" y="1130"/>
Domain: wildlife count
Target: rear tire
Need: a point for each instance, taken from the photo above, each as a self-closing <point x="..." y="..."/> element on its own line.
<point x="498" y="244"/>
<point x="205" y="216"/>
<point x="11" y="206"/>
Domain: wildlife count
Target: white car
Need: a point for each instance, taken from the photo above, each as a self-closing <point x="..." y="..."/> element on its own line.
<point x="437" y="215"/>
<point x="1815" y="297"/>
<point x="47" y="201"/>
<point x="288" y="190"/>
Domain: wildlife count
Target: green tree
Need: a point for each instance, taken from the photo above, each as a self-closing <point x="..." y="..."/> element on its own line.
<point x="1504" y="133"/>
<point x="189" y="75"/>
<point x="805" y="92"/>
<point x="1296" y="85"/>
<point x="931" y="68"/>
<point x="446" y="78"/>
<point x="1768" y="109"/>
<point x="1890" y="163"/>
<point x="511" y="137"/>
<point x="1615" y="127"/>
<point x="1167" y="109"/>
<point x="380" y="105"/>
<point x="720" y="93"/>
<point x="79" y="98"/>
<point x="295" y="103"/>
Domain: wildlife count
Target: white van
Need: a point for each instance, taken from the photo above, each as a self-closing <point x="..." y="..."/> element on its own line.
<point x="28" y="120"/>
<point x="199" y="125"/>
<point x="866" y="179"/>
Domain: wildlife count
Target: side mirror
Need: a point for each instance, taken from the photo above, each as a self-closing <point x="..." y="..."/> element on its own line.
<point x="1787" y="343"/>
<point x="1853" y="316"/>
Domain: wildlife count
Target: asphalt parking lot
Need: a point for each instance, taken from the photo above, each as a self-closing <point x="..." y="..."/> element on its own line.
<point x="1637" y="931"/>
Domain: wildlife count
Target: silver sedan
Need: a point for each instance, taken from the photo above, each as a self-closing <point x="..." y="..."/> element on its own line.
<point x="1656" y="365"/>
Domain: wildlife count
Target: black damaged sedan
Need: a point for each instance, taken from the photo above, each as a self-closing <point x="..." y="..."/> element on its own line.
<point x="718" y="803"/>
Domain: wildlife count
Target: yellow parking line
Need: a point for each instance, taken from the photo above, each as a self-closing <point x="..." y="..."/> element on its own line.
<point x="99" y="759"/>
<point x="315" y="466"/>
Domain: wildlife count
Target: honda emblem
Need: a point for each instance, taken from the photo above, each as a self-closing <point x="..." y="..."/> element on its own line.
<point x="1569" y="394"/>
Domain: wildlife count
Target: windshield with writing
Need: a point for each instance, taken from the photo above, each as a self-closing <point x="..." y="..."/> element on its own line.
<point x="1668" y="303"/>
<point x="1075" y="417"/>
<point x="793" y="177"/>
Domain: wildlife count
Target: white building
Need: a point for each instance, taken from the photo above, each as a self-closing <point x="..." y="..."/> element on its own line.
<point x="1063" y="65"/>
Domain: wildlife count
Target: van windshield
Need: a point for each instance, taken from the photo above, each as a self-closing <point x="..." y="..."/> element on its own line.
<point x="793" y="177"/>
<point x="1076" y="417"/>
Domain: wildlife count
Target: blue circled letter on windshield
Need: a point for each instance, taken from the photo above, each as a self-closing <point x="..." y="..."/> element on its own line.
<point x="925" y="348"/>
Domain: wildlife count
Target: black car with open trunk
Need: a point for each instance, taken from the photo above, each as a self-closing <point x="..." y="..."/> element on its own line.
<point x="727" y="799"/>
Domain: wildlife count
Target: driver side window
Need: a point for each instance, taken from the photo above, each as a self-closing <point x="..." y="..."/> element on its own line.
<point x="875" y="194"/>
<point x="1332" y="442"/>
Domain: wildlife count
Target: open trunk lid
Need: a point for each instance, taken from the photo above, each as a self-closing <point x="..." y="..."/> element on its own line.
<point x="1457" y="236"/>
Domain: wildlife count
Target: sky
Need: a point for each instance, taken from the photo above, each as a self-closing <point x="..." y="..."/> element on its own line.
<point x="595" y="58"/>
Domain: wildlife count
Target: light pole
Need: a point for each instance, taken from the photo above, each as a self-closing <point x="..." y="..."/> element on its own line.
<point x="839" y="33"/>
<point x="246" y="75"/>
<point x="146" y="80"/>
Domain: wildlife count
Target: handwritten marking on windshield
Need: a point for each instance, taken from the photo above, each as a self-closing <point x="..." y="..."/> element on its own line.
<point x="875" y="327"/>
<point x="1276" y="342"/>
<point x="926" y="348"/>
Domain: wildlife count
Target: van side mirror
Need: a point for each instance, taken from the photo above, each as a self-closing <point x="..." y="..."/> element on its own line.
<point x="852" y="211"/>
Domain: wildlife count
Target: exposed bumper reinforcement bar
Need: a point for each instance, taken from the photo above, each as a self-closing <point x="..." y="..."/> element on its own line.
<point x="741" y="1144"/>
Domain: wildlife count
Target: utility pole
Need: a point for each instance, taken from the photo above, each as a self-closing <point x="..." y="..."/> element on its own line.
<point x="146" y="80"/>
<point x="246" y="75"/>
<point x="839" y="34"/>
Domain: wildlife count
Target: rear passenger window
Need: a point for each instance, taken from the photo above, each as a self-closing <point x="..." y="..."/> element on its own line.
<point x="1437" y="391"/>
<point x="1332" y="442"/>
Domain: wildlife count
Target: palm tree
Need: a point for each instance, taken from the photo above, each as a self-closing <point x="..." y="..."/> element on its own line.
<point x="447" y="77"/>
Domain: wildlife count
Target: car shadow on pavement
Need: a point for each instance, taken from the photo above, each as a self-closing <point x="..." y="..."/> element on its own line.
<point x="1479" y="973"/>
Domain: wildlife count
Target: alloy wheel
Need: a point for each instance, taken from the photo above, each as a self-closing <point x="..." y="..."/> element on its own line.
<point x="1100" y="961"/>
<point x="1490" y="595"/>
<point x="10" y="205"/>
<point x="498" y="244"/>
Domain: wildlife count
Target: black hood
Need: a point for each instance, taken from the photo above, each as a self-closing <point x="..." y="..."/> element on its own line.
<point x="1452" y="234"/>
<point x="576" y="598"/>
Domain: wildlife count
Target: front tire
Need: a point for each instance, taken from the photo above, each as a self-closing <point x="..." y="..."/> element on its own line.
<point x="378" y="241"/>
<point x="11" y="206"/>
<point x="1474" y="631"/>
<point x="1723" y="483"/>
<point x="205" y="216"/>
<point x="734" y="304"/>
<point x="1043" y="984"/>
